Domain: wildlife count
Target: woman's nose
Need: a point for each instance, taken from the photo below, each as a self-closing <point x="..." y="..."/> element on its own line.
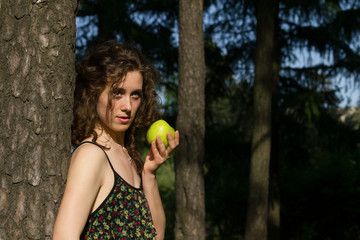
<point x="126" y="104"/>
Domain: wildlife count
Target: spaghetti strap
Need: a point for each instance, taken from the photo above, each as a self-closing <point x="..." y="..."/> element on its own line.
<point x="116" y="174"/>
<point x="107" y="157"/>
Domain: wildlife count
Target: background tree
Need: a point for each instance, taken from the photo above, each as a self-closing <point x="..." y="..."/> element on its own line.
<point x="37" y="52"/>
<point x="256" y="222"/>
<point x="189" y="177"/>
<point x="307" y="88"/>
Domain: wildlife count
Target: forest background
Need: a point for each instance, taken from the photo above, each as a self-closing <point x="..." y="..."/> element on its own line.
<point x="317" y="153"/>
<point x="314" y="171"/>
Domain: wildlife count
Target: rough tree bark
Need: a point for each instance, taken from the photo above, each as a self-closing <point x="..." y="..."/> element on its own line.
<point x="189" y="176"/>
<point x="257" y="214"/>
<point x="37" y="52"/>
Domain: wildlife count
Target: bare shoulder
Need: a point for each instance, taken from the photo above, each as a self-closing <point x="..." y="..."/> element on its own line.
<point x="88" y="168"/>
<point x="86" y="174"/>
<point x="88" y="153"/>
<point x="88" y="157"/>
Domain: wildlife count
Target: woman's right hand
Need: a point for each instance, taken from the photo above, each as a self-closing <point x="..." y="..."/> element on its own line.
<point x="158" y="153"/>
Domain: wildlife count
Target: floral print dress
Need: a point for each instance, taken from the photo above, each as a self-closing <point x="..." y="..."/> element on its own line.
<point x="124" y="214"/>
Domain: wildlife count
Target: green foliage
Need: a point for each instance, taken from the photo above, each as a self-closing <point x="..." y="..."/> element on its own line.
<point x="149" y="26"/>
<point x="166" y="181"/>
<point x="319" y="180"/>
<point x="226" y="183"/>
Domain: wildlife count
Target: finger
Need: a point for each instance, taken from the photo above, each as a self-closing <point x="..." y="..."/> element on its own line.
<point x="162" y="152"/>
<point x="160" y="144"/>
<point x="154" y="150"/>
<point x="177" y="137"/>
<point x="171" y="141"/>
<point x="157" y="153"/>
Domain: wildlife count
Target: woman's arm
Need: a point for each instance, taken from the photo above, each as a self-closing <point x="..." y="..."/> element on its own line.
<point x="85" y="177"/>
<point x="152" y="194"/>
<point x="155" y="157"/>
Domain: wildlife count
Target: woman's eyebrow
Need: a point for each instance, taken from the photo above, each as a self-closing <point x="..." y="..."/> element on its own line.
<point x="118" y="89"/>
<point x="123" y="90"/>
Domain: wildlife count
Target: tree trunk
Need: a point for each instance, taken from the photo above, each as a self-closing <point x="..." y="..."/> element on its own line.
<point x="257" y="214"/>
<point x="274" y="189"/>
<point x="36" y="84"/>
<point x="189" y="176"/>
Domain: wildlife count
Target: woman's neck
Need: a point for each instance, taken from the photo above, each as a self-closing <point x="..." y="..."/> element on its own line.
<point x="109" y="137"/>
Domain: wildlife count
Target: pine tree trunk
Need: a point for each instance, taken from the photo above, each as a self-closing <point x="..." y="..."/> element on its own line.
<point x="189" y="180"/>
<point x="36" y="85"/>
<point x="274" y="188"/>
<point x="257" y="214"/>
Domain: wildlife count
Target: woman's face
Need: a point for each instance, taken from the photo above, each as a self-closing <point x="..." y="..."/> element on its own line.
<point x="126" y="100"/>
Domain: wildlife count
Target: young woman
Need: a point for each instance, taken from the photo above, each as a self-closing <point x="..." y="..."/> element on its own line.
<point x="110" y="193"/>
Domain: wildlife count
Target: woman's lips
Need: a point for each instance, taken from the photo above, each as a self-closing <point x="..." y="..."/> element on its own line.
<point x="124" y="119"/>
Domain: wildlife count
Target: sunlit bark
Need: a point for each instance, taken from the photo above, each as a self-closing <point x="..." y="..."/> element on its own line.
<point x="37" y="74"/>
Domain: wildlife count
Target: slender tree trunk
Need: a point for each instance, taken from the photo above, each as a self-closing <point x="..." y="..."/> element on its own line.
<point x="36" y="86"/>
<point x="257" y="215"/>
<point x="274" y="189"/>
<point x="189" y="178"/>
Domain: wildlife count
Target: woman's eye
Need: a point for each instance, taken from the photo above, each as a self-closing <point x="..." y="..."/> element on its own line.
<point x="136" y="95"/>
<point x="117" y="93"/>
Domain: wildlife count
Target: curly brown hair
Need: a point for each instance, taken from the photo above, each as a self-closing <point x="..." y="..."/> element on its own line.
<point x="110" y="62"/>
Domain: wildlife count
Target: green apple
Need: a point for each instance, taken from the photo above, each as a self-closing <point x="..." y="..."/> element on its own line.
<point x="159" y="128"/>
